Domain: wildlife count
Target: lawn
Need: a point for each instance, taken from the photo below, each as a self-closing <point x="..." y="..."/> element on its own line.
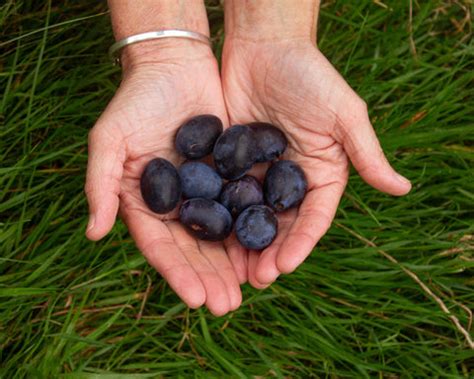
<point x="388" y="291"/>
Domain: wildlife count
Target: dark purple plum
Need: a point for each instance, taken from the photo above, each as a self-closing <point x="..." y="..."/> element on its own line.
<point x="271" y="141"/>
<point x="206" y="219"/>
<point x="235" y="152"/>
<point x="199" y="180"/>
<point x="160" y="186"/>
<point x="285" y="185"/>
<point x="196" y="137"/>
<point x="240" y="194"/>
<point x="256" y="227"/>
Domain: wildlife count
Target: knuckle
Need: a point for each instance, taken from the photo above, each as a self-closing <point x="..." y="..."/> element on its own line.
<point x="100" y="134"/>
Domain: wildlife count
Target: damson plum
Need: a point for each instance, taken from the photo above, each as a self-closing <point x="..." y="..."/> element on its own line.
<point x="285" y="185"/>
<point x="256" y="227"/>
<point x="160" y="186"/>
<point x="271" y="141"/>
<point x="199" y="180"/>
<point x="240" y="194"/>
<point x="196" y="137"/>
<point x="235" y="152"/>
<point x="206" y="219"/>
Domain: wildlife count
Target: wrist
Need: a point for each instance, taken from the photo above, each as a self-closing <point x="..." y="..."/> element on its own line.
<point x="166" y="50"/>
<point x="271" y="20"/>
<point x="131" y="18"/>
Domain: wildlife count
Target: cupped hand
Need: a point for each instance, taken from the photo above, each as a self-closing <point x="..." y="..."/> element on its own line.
<point x="156" y="95"/>
<point x="290" y="84"/>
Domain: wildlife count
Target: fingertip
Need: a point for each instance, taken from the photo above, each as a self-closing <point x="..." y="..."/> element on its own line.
<point x="90" y="234"/>
<point x="287" y="263"/>
<point x="97" y="228"/>
<point x="266" y="278"/>
<point x="93" y="234"/>
<point x="236" y="301"/>
<point x="256" y="284"/>
<point x="189" y="288"/>
<point x="297" y="247"/>
<point x="404" y="186"/>
<point x="220" y="308"/>
<point x="242" y="278"/>
<point x="393" y="184"/>
<point x="103" y="211"/>
<point x="91" y="223"/>
<point x="266" y="274"/>
<point x="218" y="313"/>
<point x="286" y="266"/>
<point x="220" y="261"/>
<point x="361" y="144"/>
<point x="196" y="300"/>
<point x="217" y="298"/>
<point x="252" y="278"/>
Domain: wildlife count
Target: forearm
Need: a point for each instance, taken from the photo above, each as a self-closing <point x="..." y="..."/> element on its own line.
<point x="131" y="17"/>
<point x="271" y="20"/>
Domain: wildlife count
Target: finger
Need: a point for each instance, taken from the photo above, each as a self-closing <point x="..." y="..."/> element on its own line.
<point x="314" y="219"/>
<point x="217" y="299"/>
<point x="252" y="266"/>
<point x="267" y="271"/>
<point x="157" y="244"/>
<point x="217" y="257"/>
<point x="238" y="256"/>
<point x="104" y="172"/>
<point x="363" y="148"/>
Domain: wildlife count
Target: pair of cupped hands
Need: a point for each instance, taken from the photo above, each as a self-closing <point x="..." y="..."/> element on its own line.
<point x="288" y="83"/>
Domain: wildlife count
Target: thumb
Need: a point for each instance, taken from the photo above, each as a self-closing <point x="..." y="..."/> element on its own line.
<point x="104" y="172"/>
<point x="358" y="138"/>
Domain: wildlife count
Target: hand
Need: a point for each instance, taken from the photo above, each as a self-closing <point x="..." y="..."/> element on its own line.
<point x="290" y="84"/>
<point x="156" y="95"/>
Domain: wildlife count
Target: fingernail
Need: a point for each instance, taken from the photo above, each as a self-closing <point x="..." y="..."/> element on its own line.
<point x="402" y="179"/>
<point x="91" y="223"/>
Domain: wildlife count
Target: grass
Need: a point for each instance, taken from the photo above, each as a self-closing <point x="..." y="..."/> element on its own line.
<point x="69" y="307"/>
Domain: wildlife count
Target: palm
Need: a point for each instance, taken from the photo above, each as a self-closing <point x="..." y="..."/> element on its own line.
<point x="138" y="125"/>
<point x="294" y="87"/>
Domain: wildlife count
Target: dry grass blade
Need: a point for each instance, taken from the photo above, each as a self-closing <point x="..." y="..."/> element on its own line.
<point x="415" y="277"/>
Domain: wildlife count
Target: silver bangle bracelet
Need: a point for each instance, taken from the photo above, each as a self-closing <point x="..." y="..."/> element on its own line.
<point x="176" y="33"/>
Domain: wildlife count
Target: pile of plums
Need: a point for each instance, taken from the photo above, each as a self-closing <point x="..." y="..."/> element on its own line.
<point x="215" y="197"/>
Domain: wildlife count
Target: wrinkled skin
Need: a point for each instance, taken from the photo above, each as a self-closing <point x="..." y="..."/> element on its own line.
<point x="290" y="84"/>
<point x="140" y="123"/>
